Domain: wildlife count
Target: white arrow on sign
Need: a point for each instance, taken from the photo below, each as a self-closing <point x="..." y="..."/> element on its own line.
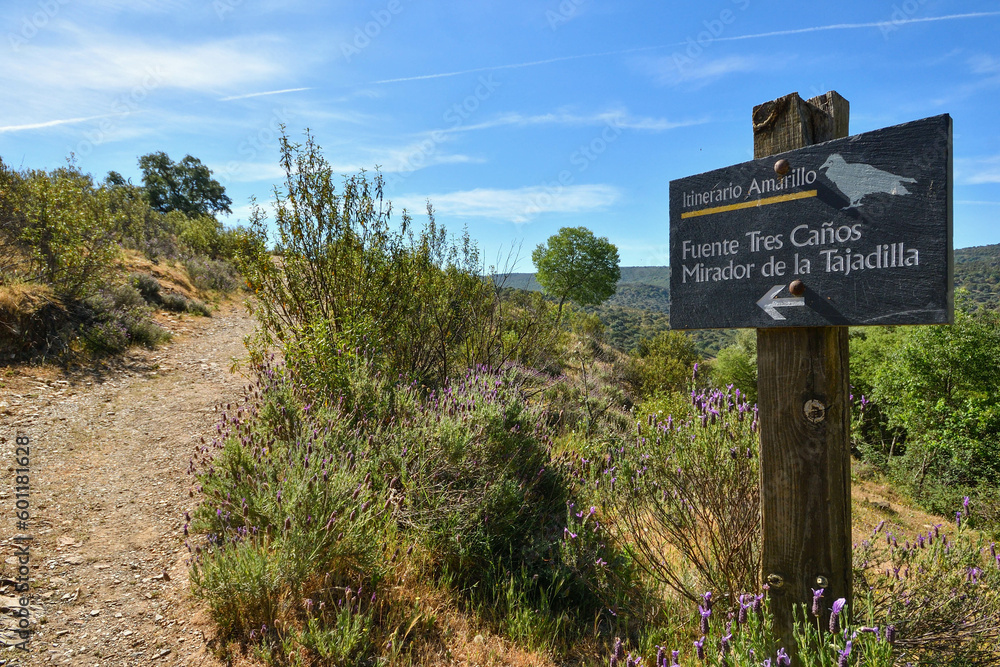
<point x="769" y="303"/>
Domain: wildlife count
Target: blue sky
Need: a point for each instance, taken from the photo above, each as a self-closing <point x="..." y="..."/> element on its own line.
<point x="514" y="118"/>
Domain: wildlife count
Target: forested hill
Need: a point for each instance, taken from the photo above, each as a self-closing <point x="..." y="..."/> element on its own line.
<point x="978" y="270"/>
<point x="642" y="287"/>
<point x="648" y="287"/>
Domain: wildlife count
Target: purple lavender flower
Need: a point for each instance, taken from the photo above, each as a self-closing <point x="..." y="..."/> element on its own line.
<point x="890" y="634"/>
<point x="783" y="659"/>
<point x="699" y="646"/>
<point x="674" y="658"/>
<point x="705" y="614"/>
<point x="838" y="606"/>
<point x="617" y="653"/>
<point x="817" y="595"/>
<point x="724" y="644"/>
<point x="845" y="655"/>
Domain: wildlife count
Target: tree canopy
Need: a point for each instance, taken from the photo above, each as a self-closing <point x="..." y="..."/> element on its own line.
<point x="186" y="186"/>
<point x="574" y="264"/>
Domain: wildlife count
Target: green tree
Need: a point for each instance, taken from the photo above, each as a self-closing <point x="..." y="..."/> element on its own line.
<point x="736" y="365"/>
<point x="186" y="186"/>
<point x="65" y="229"/>
<point x="668" y="360"/>
<point x="932" y="402"/>
<point x="574" y="264"/>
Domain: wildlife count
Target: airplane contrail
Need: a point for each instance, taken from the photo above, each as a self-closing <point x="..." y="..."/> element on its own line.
<point x="761" y="35"/>
<point x="268" y="92"/>
<point x="50" y="123"/>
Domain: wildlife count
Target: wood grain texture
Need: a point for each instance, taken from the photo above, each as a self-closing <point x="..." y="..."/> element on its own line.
<point x="805" y="463"/>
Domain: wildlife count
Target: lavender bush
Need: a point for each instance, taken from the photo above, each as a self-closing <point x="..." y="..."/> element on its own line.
<point x="939" y="590"/>
<point x="685" y="495"/>
<point x="306" y="499"/>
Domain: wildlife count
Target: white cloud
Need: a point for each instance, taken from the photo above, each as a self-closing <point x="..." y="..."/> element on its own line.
<point x="984" y="64"/>
<point x="619" y="118"/>
<point x="88" y="62"/>
<point x="518" y="205"/>
<point x="678" y="68"/>
<point x="976" y="171"/>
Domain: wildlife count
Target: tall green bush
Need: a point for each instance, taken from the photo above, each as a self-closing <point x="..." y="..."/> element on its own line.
<point x="64" y="226"/>
<point x="345" y="277"/>
<point x="930" y="412"/>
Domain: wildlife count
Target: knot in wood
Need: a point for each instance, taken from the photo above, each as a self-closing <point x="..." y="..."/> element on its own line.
<point x="773" y="110"/>
<point x="815" y="411"/>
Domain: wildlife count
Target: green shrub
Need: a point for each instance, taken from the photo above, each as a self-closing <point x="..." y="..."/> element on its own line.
<point x="686" y="495"/>
<point x="147" y="286"/>
<point x="213" y="274"/>
<point x="666" y="362"/>
<point x="64" y="226"/>
<point x="736" y="365"/>
<point x="116" y="318"/>
<point x="303" y="499"/>
<point x="198" y="307"/>
<point x="175" y="302"/>
<point x="425" y="298"/>
<point x="928" y="405"/>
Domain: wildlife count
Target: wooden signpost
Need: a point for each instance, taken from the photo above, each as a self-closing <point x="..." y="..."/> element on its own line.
<point x="800" y="243"/>
<point x="862" y="222"/>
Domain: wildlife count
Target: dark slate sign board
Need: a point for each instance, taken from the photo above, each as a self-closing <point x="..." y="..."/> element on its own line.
<point x="864" y="222"/>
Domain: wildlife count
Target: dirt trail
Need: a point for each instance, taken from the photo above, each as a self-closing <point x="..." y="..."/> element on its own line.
<point x="108" y="491"/>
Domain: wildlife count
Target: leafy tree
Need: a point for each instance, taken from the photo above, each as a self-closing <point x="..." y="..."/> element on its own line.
<point x="64" y="226"/>
<point x="352" y="281"/>
<point x="932" y="402"/>
<point x="186" y="186"/>
<point x="115" y="180"/>
<point x="667" y="362"/>
<point x="574" y="264"/>
<point x="736" y="365"/>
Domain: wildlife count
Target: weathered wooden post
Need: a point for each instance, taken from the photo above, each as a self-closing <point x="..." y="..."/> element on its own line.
<point x="805" y="414"/>
<point x="819" y="232"/>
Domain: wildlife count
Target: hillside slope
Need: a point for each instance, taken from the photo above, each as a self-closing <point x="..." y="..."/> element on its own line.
<point x="977" y="269"/>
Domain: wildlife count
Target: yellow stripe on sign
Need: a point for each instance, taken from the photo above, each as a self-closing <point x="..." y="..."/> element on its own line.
<point x="805" y="194"/>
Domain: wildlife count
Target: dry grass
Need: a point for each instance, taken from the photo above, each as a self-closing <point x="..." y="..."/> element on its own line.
<point x="872" y="502"/>
<point x="171" y="274"/>
<point x="30" y="316"/>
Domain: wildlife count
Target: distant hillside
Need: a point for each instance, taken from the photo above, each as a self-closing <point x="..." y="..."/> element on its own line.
<point x="640" y="287"/>
<point x="657" y="276"/>
<point x="524" y="281"/>
<point x="641" y="295"/>
<point x="640" y="307"/>
<point x="978" y="270"/>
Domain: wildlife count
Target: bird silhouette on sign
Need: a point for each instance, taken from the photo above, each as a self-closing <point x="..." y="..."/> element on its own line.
<point x="859" y="180"/>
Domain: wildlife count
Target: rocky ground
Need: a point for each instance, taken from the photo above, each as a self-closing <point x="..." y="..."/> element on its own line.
<point x="109" y="452"/>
